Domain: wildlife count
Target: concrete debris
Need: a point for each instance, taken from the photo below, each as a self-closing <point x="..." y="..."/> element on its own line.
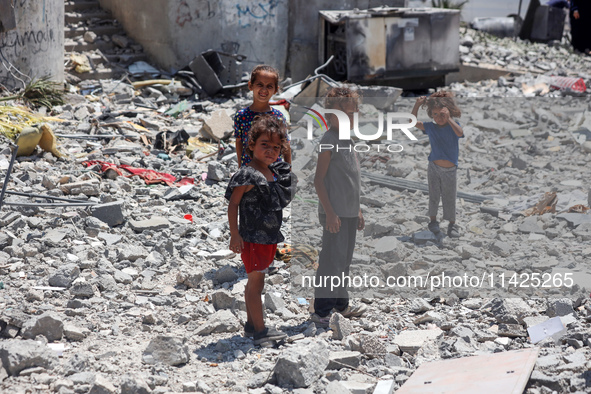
<point x="17" y="355"/>
<point x="302" y="365"/>
<point x="128" y="287"/>
<point x="166" y="350"/>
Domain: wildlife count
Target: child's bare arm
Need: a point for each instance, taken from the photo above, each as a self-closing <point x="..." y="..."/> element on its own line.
<point x="454" y="125"/>
<point x="415" y="110"/>
<point x="333" y="222"/>
<point x="239" y="151"/>
<point x="287" y="154"/>
<point x="236" y="242"/>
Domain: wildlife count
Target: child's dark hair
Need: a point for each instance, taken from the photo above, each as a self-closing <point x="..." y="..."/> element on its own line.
<point x="440" y="100"/>
<point x="337" y="96"/>
<point x="267" y="124"/>
<point x="264" y="68"/>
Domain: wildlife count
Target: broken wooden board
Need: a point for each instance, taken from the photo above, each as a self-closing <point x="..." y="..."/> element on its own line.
<point x="506" y="372"/>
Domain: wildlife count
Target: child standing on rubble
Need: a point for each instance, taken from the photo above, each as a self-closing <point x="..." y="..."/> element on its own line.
<point x="444" y="135"/>
<point x="264" y="83"/>
<point x="260" y="190"/>
<point x="338" y="185"/>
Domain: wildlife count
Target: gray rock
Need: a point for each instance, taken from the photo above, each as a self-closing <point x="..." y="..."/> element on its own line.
<point x="501" y="248"/>
<point x="410" y="341"/>
<point x="90" y="37"/>
<point x="105" y="282"/>
<point x="102" y="386"/>
<point x="574" y="219"/>
<point x="336" y="387"/>
<point x="273" y="302"/>
<point x="82" y="290"/>
<point x="394" y="270"/>
<point x="301" y="365"/>
<point x="216" y="171"/>
<point x="221" y="321"/>
<point x="388" y="248"/>
<point x="131" y="384"/>
<point x="166" y="350"/>
<point x="110" y="213"/>
<point x="110" y="239"/>
<point x="559" y="307"/>
<point x="122" y="277"/>
<point x="372" y="346"/>
<point x="428" y="317"/>
<point x="64" y="275"/>
<point x="190" y="278"/>
<point x="463" y="332"/>
<point x="419" y="305"/>
<point x="511" y="330"/>
<point x="392" y="360"/>
<point x="16" y="355"/>
<point x="74" y="333"/>
<point x="80" y="378"/>
<point x="343" y="359"/>
<point x="258" y="380"/>
<point x="222" y="299"/>
<point x="153" y="224"/>
<point x="88" y="188"/>
<point x="132" y="252"/>
<point x="225" y="274"/>
<point x="340" y="326"/>
<point x="508" y="310"/>
<point x="531" y="225"/>
<point x="218" y="126"/>
<point x="48" y="324"/>
<point x="120" y="40"/>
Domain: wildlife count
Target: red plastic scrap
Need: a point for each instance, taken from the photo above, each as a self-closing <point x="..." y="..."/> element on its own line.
<point x="149" y="176"/>
<point x="573" y="83"/>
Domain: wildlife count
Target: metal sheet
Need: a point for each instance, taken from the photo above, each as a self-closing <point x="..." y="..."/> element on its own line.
<point x="366" y="50"/>
<point x="506" y="372"/>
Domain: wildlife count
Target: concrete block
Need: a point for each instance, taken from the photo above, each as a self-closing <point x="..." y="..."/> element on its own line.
<point x="342" y="359"/>
<point x="411" y="341"/>
<point x="110" y="213"/>
<point x="385" y="387"/>
<point x="218" y="126"/>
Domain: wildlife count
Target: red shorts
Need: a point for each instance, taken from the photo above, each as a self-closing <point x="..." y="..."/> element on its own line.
<point x="257" y="257"/>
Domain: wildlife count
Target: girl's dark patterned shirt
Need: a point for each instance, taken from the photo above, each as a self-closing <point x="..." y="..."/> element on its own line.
<point x="261" y="207"/>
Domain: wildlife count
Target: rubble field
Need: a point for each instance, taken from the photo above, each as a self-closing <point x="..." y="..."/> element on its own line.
<point x="127" y="285"/>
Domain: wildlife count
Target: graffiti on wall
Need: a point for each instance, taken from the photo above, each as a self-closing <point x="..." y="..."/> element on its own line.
<point x="256" y="12"/>
<point x="193" y="12"/>
<point x="37" y="41"/>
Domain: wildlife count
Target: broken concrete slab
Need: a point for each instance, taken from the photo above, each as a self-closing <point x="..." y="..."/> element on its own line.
<point x="166" y="350"/>
<point x="301" y="365"/>
<point x="110" y="213"/>
<point x="218" y="126"/>
<point x="17" y="355"/>
<point x="411" y="341"/>
<point x="343" y="359"/>
<point x="48" y="324"/>
<point x="152" y="224"/>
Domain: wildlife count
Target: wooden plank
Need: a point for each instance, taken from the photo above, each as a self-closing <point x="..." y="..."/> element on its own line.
<point x="505" y="372"/>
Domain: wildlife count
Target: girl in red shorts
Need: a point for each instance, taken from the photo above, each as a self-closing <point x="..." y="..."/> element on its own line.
<point x="260" y="190"/>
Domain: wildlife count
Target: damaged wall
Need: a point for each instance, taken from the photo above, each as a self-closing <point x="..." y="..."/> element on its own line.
<point x="304" y="29"/>
<point x="36" y="47"/>
<point x="254" y="28"/>
<point x="278" y="32"/>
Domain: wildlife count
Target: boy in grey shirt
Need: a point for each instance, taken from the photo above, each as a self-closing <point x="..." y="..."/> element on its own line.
<point x="337" y="183"/>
